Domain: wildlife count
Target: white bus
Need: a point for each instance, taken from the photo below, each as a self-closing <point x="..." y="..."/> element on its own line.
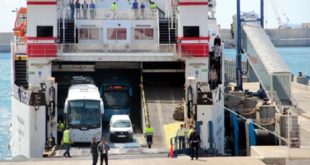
<point x="83" y="112"/>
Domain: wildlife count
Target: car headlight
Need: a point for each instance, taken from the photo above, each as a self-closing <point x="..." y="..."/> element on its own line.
<point x="130" y="131"/>
<point x="112" y="132"/>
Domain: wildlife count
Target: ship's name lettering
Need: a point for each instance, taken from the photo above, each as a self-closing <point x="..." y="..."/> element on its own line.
<point x="197" y="64"/>
<point x="88" y="26"/>
<point x="143" y="26"/>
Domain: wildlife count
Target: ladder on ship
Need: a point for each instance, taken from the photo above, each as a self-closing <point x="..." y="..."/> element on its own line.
<point x="67" y="31"/>
<point x="20" y="67"/>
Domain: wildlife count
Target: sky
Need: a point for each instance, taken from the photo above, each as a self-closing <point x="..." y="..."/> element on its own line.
<point x="298" y="11"/>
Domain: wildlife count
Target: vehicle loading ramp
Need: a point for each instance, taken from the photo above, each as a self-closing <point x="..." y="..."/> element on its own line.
<point x="270" y="69"/>
<point x="161" y="103"/>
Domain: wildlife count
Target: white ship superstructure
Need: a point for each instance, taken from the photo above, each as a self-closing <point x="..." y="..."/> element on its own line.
<point x="54" y="42"/>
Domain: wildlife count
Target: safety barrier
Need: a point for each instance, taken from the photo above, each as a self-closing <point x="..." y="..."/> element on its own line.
<point x="144" y="105"/>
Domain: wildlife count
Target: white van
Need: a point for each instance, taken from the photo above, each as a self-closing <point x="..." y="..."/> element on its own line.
<point x="120" y="128"/>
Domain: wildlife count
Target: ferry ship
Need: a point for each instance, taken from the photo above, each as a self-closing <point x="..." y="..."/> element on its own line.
<point x="55" y="40"/>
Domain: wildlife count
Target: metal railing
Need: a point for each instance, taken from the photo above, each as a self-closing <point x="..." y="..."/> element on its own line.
<point x="146" y="118"/>
<point x="274" y="97"/>
<point x="230" y="69"/>
<point x="102" y="13"/>
<point x="118" y="48"/>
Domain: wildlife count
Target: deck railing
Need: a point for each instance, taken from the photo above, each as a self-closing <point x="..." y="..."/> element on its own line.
<point x="107" y="14"/>
<point x="119" y="14"/>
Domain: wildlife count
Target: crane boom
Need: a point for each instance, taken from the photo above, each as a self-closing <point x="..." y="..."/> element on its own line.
<point x="275" y="6"/>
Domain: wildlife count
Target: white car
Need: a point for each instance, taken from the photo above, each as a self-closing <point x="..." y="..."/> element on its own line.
<point x="120" y="128"/>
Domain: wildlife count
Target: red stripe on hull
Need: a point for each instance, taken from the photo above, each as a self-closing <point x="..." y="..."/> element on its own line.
<point x="41" y="3"/>
<point x="192" y="3"/>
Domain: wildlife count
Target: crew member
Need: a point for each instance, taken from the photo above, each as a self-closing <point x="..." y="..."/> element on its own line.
<point x="67" y="142"/>
<point x="148" y="132"/>
<point x="181" y="136"/>
<point x="60" y="129"/>
<point x="194" y="140"/>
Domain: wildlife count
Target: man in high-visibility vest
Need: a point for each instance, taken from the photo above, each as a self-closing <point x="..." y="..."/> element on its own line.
<point x="190" y="130"/>
<point x="181" y="136"/>
<point x="153" y="5"/>
<point x="114" y="8"/>
<point x="67" y="142"/>
<point x="60" y="130"/>
<point x="148" y="132"/>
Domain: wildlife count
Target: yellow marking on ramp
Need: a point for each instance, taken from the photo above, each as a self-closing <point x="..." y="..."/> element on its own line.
<point x="171" y="131"/>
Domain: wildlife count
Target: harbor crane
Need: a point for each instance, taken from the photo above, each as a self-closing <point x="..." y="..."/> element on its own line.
<point x="283" y="23"/>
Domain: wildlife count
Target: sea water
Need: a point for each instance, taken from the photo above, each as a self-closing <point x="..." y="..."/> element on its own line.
<point x="298" y="60"/>
<point x="5" y="104"/>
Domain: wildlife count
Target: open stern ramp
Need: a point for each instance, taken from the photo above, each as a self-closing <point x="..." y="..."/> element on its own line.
<point x="273" y="74"/>
<point x="161" y="103"/>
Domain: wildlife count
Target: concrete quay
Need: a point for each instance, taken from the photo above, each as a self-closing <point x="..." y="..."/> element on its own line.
<point x="182" y="160"/>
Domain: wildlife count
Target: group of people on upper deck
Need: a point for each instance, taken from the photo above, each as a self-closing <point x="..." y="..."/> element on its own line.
<point x="77" y="8"/>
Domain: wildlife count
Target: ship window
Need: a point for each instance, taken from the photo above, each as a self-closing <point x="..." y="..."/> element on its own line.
<point x="44" y="31"/>
<point x="144" y="34"/>
<point x="117" y="34"/>
<point x="89" y="34"/>
<point x="191" y="31"/>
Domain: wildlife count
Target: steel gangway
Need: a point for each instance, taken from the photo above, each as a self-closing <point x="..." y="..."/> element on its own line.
<point x="270" y="69"/>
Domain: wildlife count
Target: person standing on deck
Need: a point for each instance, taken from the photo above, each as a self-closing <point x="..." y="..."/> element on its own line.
<point x="113" y="9"/>
<point x="78" y="9"/>
<point x="72" y="8"/>
<point x="135" y="7"/>
<point x="142" y="7"/>
<point x="84" y="9"/>
<point x="213" y="78"/>
<point x="92" y="8"/>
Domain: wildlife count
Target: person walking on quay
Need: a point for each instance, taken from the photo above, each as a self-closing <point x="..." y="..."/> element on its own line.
<point x="194" y="140"/>
<point x="148" y="132"/>
<point x="103" y="149"/>
<point x="181" y="136"/>
<point x="67" y="142"/>
<point x="94" y="150"/>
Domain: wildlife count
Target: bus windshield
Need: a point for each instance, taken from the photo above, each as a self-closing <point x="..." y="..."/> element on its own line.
<point x="116" y="99"/>
<point x="84" y="113"/>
